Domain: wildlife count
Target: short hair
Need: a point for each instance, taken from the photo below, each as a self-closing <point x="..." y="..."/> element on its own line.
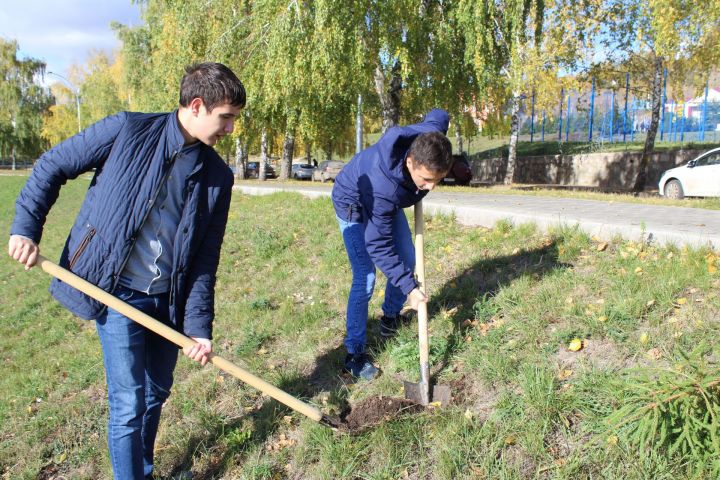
<point x="214" y="83"/>
<point x="433" y="151"/>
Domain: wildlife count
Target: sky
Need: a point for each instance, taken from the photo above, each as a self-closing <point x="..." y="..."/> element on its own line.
<point x="63" y="32"/>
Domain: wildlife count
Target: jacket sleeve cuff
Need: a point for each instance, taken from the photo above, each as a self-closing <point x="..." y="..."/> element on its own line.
<point x="407" y="285"/>
<point x="199" y="332"/>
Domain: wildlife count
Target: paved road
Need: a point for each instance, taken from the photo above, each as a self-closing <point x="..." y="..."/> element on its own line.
<point x="678" y="225"/>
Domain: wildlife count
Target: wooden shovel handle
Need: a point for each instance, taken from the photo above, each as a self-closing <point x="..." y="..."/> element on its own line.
<point x="176" y="337"/>
<point x="422" y="307"/>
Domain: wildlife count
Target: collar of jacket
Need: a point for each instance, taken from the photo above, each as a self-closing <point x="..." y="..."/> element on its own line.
<point x="175" y="139"/>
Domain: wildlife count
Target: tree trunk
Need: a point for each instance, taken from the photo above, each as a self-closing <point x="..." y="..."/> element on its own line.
<point x="359" y="126"/>
<point x="245" y="154"/>
<point x="328" y="151"/>
<point x="263" y="155"/>
<point x="239" y="157"/>
<point x="389" y="94"/>
<point x="641" y="178"/>
<point x="514" y="127"/>
<point x="288" y="151"/>
<point x="458" y="138"/>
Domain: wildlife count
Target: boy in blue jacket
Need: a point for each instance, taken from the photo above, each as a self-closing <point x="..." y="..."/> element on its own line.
<point x="369" y="196"/>
<point x="149" y="231"/>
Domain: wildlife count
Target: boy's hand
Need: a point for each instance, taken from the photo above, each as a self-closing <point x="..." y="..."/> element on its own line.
<point x="416" y="297"/>
<point x="24" y="250"/>
<point x="199" y="351"/>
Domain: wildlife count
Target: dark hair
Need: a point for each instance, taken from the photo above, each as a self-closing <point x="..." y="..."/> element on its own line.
<point x="214" y="83"/>
<point x="433" y="151"/>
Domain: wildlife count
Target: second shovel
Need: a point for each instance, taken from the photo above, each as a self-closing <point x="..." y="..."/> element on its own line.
<point x="420" y="392"/>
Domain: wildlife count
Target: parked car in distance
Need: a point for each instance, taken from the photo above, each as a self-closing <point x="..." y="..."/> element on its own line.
<point x="700" y="177"/>
<point x="327" y="170"/>
<point x="302" y="171"/>
<point x="252" y="170"/>
<point x="460" y="173"/>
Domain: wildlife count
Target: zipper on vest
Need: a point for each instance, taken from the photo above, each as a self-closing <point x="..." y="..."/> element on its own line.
<point x="147" y="214"/>
<point x="81" y="248"/>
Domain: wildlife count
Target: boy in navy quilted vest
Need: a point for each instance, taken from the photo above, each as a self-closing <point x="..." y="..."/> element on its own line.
<point x="369" y="196"/>
<point x="149" y="231"/>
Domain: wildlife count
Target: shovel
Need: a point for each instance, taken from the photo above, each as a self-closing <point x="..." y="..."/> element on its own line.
<point x="420" y="392"/>
<point x="182" y="341"/>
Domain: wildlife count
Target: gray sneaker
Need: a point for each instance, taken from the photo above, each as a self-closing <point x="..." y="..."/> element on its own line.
<point x="359" y="366"/>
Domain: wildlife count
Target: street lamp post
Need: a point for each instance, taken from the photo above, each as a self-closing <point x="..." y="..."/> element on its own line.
<point x="76" y="92"/>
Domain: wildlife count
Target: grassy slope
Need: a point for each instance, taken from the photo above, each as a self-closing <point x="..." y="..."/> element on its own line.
<point x="505" y="304"/>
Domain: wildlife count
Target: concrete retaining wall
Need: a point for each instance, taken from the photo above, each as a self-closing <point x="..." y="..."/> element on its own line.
<point x="611" y="171"/>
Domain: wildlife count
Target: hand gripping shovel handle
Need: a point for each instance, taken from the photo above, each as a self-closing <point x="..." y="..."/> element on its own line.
<point x="178" y="339"/>
<point x="422" y="308"/>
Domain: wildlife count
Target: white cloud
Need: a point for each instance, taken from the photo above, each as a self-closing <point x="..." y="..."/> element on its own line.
<point x="64" y="32"/>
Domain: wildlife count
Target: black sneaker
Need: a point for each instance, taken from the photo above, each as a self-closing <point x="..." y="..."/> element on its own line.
<point x="389" y="325"/>
<point x="359" y="366"/>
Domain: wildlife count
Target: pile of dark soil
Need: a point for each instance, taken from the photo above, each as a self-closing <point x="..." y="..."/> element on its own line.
<point x="374" y="410"/>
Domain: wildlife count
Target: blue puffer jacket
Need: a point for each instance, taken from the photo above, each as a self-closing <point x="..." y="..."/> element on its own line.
<point x="131" y="154"/>
<point x="374" y="186"/>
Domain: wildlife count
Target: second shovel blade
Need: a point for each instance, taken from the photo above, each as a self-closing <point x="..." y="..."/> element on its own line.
<point x="416" y="392"/>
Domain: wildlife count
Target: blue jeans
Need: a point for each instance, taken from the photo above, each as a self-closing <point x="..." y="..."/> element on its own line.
<point x="363" y="277"/>
<point x="139" y="368"/>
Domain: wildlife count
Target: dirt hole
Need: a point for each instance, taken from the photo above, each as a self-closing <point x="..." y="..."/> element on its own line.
<point x="372" y="411"/>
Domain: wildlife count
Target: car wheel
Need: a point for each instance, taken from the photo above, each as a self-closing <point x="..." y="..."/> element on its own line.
<point x="674" y="190"/>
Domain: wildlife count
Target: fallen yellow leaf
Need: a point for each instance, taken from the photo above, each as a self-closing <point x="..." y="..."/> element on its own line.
<point x="602" y="318"/>
<point x="712" y="268"/>
<point x="681" y="301"/>
<point x="575" y="345"/>
<point x="612" y="440"/>
<point x="644" y="338"/>
<point x="602" y="247"/>
<point x="566" y="373"/>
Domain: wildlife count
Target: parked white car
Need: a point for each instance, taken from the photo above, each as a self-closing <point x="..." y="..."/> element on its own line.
<point x="700" y="177"/>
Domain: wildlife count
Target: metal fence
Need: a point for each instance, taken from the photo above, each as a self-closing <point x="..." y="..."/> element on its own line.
<point x="615" y="115"/>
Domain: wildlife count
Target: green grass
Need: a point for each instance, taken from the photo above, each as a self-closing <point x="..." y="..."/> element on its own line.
<point x="505" y="303"/>
<point x="488" y="148"/>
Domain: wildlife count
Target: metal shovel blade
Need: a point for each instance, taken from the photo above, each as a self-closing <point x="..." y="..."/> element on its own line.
<point x="418" y="393"/>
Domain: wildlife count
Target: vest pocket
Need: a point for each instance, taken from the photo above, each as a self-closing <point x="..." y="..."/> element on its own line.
<point x="83" y="245"/>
